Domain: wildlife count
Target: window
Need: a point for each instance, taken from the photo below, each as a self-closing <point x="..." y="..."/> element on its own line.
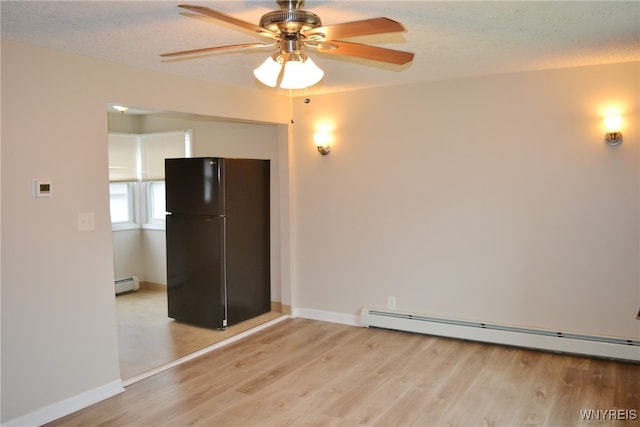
<point x="155" y="209"/>
<point x="136" y="172"/>
<point x="122" y="204"/>
<point x="157" y="200"/>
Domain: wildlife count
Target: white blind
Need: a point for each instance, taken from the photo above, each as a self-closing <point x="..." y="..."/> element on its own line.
<point x="123" y="157"/>
<point x="156" y="147"/>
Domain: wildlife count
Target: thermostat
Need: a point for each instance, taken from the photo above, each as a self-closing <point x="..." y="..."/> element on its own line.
<point x="42" y="188"/>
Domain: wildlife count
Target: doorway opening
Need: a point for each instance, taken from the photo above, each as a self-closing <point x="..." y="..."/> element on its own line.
<point x="148" y="338"/>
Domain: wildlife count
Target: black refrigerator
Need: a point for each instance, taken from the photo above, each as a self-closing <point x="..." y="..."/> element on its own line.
<point x="217" y="232"/>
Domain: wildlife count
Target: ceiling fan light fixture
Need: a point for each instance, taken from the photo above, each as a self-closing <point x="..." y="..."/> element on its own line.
<point x="268" y="72"/>
<point x="301" y="74"/>
<point x="293" y="29"/>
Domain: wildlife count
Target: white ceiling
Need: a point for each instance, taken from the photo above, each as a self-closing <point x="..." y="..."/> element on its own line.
<point x="451" y="39"/>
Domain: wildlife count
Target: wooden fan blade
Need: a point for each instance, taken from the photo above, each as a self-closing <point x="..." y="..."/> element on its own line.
<point x="213" y="49"/>
<point x="358" y="50"/>
<point x="356" y="28"/>
<point x="230" y="20"/>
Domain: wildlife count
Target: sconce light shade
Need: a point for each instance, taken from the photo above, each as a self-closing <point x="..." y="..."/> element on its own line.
<point x="613" y="125"/>
<point x="322" y="141"/>
<point x="268" y="72"/>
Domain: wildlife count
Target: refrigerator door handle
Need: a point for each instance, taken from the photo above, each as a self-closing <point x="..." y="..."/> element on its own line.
<point x="224" y="272"/>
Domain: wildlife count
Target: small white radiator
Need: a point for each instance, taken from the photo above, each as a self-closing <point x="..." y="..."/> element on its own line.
<point x="128" y="284"/>
<point x="591" y="345"/>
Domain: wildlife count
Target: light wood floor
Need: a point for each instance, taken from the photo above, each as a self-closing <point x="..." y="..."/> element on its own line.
<point x="149" y="339"/>
<point x="302" y="372"/>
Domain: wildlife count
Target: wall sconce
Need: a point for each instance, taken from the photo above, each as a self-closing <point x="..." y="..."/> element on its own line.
<point x="613" y="125"/>
<point x="322" y="141"/>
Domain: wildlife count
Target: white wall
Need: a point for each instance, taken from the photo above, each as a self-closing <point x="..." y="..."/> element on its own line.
<point x="491" y="199"/>
<point x="59" y="338"/>
<point x="129" y="254"/>
<point x="128" y="248"/>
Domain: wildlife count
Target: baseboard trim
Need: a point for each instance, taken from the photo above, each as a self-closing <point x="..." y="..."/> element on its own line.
<point x="625" y="349"/>
<point x="327" y="316"/>
<point x="151" y="286"/>
<point x="279" y="307"/>
<point x="286" y="309"/>
<point x="626" y="353"/>
<point x="67" y="406"/>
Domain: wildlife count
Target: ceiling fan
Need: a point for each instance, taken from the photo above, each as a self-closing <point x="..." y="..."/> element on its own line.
<point x="291" y="30"/>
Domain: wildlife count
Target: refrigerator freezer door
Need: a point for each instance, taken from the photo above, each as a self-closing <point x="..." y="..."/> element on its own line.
<point x="194" y="186"/>
<point x="196" y="270"/>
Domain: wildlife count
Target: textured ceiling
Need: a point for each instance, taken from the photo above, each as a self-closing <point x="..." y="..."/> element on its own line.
<point x="451" y="39"/>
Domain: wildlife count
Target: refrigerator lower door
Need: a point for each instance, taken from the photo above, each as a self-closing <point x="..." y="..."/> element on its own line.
<point x="196" y="270"/>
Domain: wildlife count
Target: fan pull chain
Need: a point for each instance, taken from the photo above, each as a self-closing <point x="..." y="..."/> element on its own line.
<point x="291" y="104"/>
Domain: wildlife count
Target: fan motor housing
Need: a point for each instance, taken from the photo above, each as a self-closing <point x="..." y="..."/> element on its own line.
<point x="290" y="21"/>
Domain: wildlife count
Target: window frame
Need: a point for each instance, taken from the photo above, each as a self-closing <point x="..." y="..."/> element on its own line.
<point x="133" y="200"/>
<point x="149" y="222"/>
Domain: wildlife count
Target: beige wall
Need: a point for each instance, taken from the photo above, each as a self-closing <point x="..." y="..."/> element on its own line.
<point x="59" y="335"/>
<point x="491" y="199"/>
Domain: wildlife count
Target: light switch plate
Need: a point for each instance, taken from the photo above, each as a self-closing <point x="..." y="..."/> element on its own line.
<point x="86" y="221"/>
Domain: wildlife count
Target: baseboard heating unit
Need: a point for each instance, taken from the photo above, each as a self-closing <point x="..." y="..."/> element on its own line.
<point x="590" y="345"/>
<point x="127" y="284"/>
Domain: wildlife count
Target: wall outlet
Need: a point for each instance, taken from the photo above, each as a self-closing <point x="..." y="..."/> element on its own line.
<point x="391" y="303"/>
